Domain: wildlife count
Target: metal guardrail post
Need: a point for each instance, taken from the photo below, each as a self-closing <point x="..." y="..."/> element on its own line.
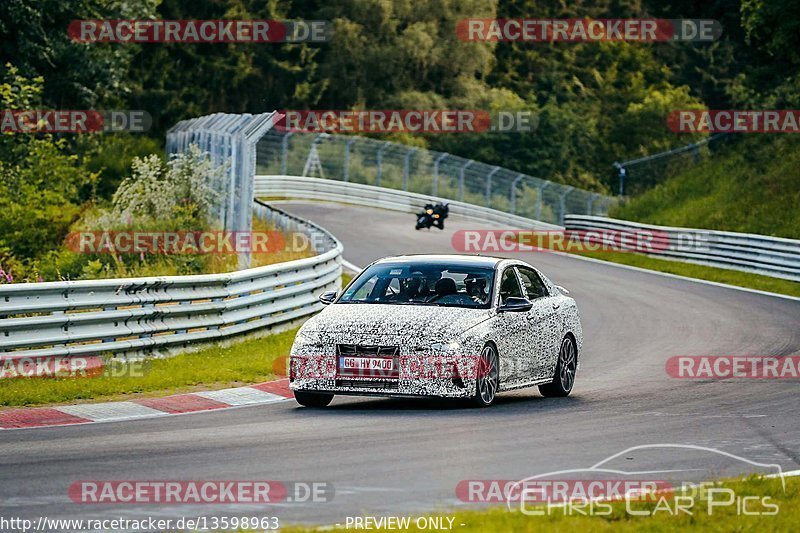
<point x="439" y="159"/>
<point x="406" y="163"/>
<point x="621" y="172"/>
<point x="540" y="199"/>
<point x="285" y="151"/>
<point x="346" y="164"/>
<point x="563" y="204"/>
<point x="461" y="180"/>
<point x="489" y="186"/>
<point x="590" y="202"/>
<point x="513" y="193"/>
<point x="379" y="160"/>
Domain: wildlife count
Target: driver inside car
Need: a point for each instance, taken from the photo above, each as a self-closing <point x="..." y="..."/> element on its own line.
<point x="413" y="287"/>
<point x="477" y="288"/>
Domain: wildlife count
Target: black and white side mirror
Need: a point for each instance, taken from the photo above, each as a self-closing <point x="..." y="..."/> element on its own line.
<point x="562" y="290"/>
<point x="515" y="304"/>
<point x="328" y="297"/>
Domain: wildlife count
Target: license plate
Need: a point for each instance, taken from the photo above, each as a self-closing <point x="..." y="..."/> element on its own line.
<point x="366" y="364"/>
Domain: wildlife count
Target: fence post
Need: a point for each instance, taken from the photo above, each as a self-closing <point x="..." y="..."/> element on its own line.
<point x="540" y="201"/>
<point x="621" y="175"/>
<point x="590" y="202"/>
<point x="489" y="186"/>
<point x="513" y="194"/>
<point x="563" y="204"/>
<point x="379" y="160"/>
<point x="285" y="152"/>
<point x="347" y="146"/>
<point x="441" y="157"/>
<point x="405" y="167"/>
<point x="461" y="180"/>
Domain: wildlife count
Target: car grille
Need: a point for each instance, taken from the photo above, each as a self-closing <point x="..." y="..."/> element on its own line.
<point x="365" y="357"/>
<point x="368" y="384"/>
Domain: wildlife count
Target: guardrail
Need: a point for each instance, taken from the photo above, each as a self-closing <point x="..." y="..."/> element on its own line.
<point x="128" y="316"/>
<point x="759" y="254"/>
<point x="369" y="195"/>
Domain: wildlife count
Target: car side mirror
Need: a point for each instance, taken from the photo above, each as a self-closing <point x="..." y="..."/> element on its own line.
<point x="514" y="304"/>
<point x="328" y="297"/>
<point x="562" y="290"/>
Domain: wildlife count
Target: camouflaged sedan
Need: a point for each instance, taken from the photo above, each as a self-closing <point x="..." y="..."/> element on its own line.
<point x="439" y="326"/>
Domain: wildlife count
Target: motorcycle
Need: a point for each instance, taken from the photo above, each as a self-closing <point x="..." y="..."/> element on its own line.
<point x="432" y="215"/>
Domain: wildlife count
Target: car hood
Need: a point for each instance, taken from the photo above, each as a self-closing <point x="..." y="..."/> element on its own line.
<point x="372" y="323"/>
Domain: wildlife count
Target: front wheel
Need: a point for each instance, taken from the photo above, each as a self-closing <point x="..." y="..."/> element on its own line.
<point x="312" y="399"/>
<point x="488" y="377"/>
<point x="564" y="378"/>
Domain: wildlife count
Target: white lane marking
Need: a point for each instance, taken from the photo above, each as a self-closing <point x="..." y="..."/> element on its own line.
<point x="790" y="473"/>
<point x="241" y="396"/>
<point x="102" y="412"/>
<point x="676" y="276"/>
<point x="350" y="266"/>
<point x="695" y="415"/>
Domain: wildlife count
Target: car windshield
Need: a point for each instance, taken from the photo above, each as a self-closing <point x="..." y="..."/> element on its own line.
<point x="422" y="284"/>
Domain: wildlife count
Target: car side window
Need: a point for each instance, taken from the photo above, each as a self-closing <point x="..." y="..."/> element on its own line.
<point x="532" y="283"/>
<point x="509" y="286"/>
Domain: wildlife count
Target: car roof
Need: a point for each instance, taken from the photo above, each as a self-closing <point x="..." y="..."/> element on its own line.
<point x="444" y="259"/>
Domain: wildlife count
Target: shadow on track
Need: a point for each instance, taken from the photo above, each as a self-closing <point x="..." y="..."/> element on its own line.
<point x="505" y="405"/>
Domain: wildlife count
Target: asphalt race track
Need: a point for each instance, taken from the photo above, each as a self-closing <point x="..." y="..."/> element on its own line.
<point x="396" y="457"/>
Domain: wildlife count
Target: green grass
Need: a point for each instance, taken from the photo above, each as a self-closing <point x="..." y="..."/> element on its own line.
<point x="721" y="519"/>
<point x="346" y="279"/>
<point x="690" y="270"/>
<point x="750" y="186"/>
<point x="248" y="361"/>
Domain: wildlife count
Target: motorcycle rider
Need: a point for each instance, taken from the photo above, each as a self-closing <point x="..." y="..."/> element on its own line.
<point x="441" y="210"/>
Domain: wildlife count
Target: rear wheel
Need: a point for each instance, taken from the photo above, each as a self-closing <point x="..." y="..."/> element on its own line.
<point x="564" y="377"/>
<point x="312" y="399"/>
<point x="488" y="377"/>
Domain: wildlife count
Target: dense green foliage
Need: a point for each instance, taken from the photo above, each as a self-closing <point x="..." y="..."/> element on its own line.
<point x="597" y="102"/>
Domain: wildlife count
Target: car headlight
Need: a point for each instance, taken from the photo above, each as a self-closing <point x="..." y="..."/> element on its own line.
<point x="445" y="347"/>
<point x="306" y="337"/>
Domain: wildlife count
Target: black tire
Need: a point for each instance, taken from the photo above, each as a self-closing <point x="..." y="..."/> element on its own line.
<point x="487" y="377"/>
<point x="564" y="378"/>
<point x="312" y="399"/>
